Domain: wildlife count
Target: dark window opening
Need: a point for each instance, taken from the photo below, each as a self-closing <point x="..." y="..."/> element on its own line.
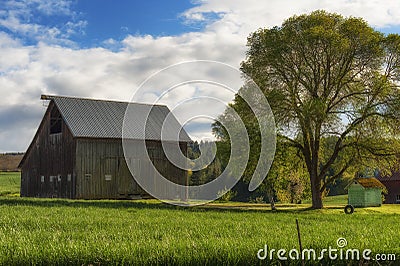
<point x="55" y="122"/>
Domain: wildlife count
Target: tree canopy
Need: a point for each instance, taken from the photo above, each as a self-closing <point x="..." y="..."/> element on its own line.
<point x="333" y="85"/>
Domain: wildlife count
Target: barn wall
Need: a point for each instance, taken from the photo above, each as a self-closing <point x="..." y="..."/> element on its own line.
<point x="393" y="189"/>
<point x="102" y="171"/>
<point x="48" y="167"/>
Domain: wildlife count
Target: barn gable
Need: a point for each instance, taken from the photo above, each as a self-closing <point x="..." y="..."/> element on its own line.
<point x="49" y="157"/>
<point x="392" y="184"/>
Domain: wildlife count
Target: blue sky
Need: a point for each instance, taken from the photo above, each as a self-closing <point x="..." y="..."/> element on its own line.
<point x="105" y="49"/>
<point x="110" y="19"/>
<point x="97" y="21"/>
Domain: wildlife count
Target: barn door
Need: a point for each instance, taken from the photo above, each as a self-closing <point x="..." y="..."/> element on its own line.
<point x="110" y="172"/>
<point x="127" y="186"/>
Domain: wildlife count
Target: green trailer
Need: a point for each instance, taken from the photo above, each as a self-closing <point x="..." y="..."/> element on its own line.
<point x="365" y="192"/>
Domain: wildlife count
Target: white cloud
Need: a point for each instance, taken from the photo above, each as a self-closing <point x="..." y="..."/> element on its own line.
<point x="23" y="18"/>
<point x="55" y="66"/>
<point x="12" y="54"/>
<point x="52" y="7"/>
<point x="199" y="129"/>
<point x="253" y="14"/>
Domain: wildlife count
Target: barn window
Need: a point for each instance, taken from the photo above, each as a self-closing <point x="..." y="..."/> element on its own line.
<point x="59" y="178"/>
<point x="55" y="122"/>
<point x="88" y="176"/>
<point x="69" y="177"/>
<point x="397" y="198"/>
<point x="108" y="177"/>
<point x="42" y="179"/>
<point x="52" y="178"/>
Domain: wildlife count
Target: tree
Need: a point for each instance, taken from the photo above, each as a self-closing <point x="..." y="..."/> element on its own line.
<point x="285" y="179"/>
<point x="330" y="77"/>
<point x="288" y="175"/>
<point x="210" y="168"/>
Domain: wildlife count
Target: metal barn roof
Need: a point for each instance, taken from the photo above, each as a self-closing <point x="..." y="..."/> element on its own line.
<point x="394" y="177"/>
<point x="89" y="118"/>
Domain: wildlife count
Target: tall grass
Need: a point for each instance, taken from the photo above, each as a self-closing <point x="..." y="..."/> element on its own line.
<point x="46" y="231"/>
<point x="10" y="183"/>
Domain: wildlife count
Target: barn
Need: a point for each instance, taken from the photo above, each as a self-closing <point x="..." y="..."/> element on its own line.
<point x="392" y="184"/>
<point x="77" y="150"/>
<point x="365" y="192"/>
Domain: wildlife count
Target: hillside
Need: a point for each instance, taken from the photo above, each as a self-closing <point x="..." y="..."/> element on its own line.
<point x="10" y="161"/>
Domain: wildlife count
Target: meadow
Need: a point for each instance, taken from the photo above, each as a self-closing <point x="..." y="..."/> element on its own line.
<point x="9" y="183"/>
<point x="147" y="232"/>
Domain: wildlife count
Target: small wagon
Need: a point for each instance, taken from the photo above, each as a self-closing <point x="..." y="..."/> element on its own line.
<point x="364" y="192"/>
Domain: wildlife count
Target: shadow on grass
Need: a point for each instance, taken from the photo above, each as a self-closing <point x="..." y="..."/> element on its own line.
<point x="111" y="204"/>
<point x="153" y="204"/>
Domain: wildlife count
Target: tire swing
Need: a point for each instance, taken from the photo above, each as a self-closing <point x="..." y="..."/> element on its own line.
<point x="349" y="209"/>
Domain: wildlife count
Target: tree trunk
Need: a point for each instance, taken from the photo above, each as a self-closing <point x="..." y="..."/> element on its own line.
<point x="271" y="200"/>
<point x="316" y="192"/>
<point x="270" y="195"/>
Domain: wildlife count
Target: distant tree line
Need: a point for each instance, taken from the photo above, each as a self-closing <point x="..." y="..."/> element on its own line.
<point x="10" y="161"/>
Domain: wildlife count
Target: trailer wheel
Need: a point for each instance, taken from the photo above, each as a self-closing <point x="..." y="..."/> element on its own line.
<point x="349" y="209"/>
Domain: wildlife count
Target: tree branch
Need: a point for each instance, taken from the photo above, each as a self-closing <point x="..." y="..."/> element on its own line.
<point x="340" y="173"/>
<point x="293" y="142"/>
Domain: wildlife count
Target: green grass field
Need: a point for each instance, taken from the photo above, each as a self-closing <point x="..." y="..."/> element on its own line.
<point x="9" y="183"/>
<point x="147" y="232"/>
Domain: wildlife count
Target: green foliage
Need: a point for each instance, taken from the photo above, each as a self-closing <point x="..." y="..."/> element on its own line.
<point x="291" y="188"/>
<point x="226" y="195"/>
<point x="332" y="84"/>
<point x="209" y="171"/>
<point x="257" y="200"/>
<point x="288" y="175"/>
<point x="67" y="232"/>
<point x="287" y="179"/>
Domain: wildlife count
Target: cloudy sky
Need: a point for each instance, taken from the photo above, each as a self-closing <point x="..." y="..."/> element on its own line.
<point x="106" y="49"/>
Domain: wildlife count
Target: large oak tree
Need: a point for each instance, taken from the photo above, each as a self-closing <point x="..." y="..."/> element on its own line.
<point x="333" y="78"/>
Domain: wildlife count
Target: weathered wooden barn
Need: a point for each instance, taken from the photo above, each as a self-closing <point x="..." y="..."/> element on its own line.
<point x="392" y="184"/>
<point x="77" y="150"/>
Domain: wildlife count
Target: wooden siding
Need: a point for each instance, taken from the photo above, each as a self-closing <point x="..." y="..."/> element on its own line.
<point x="393" y="191"/>
<point x="48" y="166"/>
<point x="57" y="164"/>
<point x="102" y="172"/>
